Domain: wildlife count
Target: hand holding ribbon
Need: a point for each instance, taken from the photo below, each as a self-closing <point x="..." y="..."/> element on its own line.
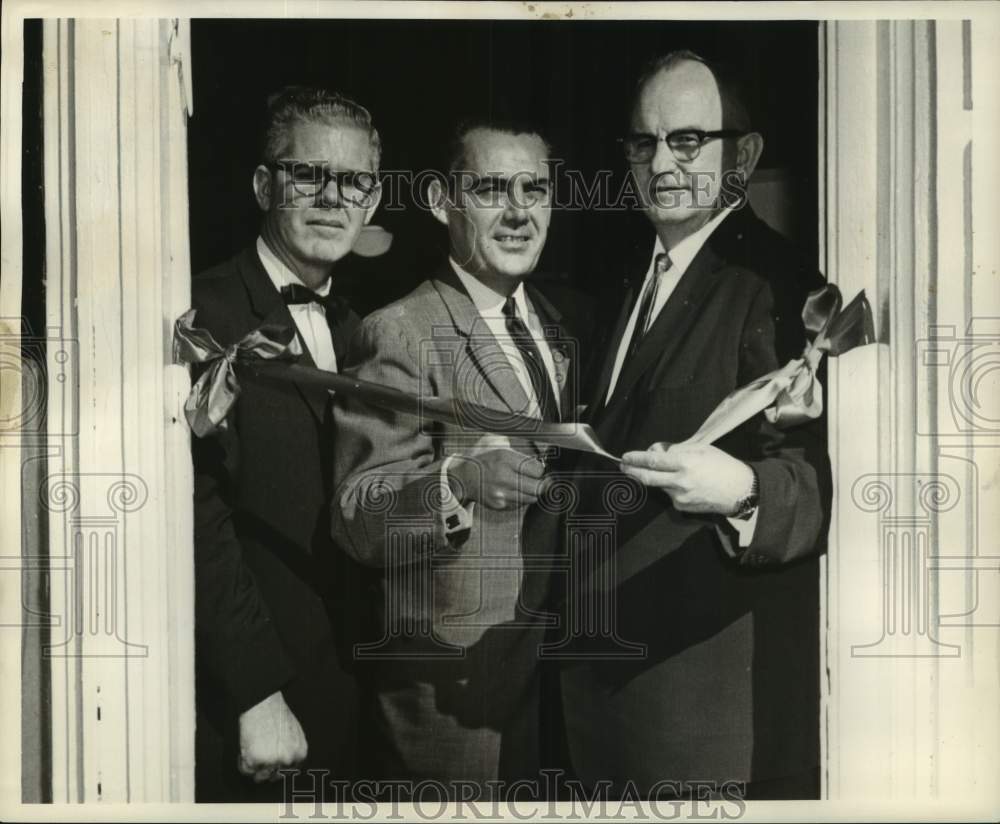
<point x="215" y="392"/>
<point x="793" y="394"/>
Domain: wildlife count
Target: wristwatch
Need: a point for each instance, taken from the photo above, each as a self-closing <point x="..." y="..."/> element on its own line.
<point x="747" y="505"/>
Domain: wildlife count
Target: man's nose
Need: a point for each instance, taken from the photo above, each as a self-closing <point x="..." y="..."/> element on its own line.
<point x="515" y="210"/>
<point x="663" y="160"/>
<point x="330" y="195"/>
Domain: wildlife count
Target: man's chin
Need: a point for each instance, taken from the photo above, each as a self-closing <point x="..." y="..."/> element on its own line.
<point x="515" y="269"/>
<point x="678" y="215"/>
<point x="330" y="253"/>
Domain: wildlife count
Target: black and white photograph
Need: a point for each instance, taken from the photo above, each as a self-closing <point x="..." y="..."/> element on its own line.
<point x="486" y="410"/>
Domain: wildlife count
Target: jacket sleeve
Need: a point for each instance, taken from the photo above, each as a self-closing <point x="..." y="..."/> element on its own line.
<point x="792" y="465"/>
<point x="385" y="463"/>
<point x="237" y="640"/>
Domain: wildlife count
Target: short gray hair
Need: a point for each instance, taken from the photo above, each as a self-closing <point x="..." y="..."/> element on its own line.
<point x="735" y="114"/>
<point x="306" y="104"/>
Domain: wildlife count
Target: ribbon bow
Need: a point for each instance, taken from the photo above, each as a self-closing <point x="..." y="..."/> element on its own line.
<point x="793" y="394"/>
<point x="832" y="331"/>
<point x="215" y="392"/>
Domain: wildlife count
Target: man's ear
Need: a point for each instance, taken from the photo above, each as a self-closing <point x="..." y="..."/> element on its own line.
<point x="262" y="187"/>
<point x="748" y="151"/>
<point x="437" y="199"/>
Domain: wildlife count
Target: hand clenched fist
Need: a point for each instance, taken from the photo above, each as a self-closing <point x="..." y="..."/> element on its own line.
<point x="496" y="475"/>
<point x="271" y="738"/>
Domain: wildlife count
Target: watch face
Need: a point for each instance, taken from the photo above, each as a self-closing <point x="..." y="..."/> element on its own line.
<point x="747" y="506"/>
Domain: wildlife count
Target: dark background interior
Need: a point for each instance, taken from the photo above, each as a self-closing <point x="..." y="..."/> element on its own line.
<point x="418" y="77"/>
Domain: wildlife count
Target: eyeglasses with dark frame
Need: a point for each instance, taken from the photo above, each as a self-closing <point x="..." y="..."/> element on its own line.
<point x="685" y="144"/>
<point x="356" y="188"/>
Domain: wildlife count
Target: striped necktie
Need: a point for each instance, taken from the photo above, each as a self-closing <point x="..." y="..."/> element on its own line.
<point x="533" y="362"/>
<point x="648" y="301"/>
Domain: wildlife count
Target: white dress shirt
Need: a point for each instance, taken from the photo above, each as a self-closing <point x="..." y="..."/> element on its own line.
<point x="309" y="318"/>
<point x="681" y="256"/>
<point x="453" y="516"/>
<point x="489" y="304"/>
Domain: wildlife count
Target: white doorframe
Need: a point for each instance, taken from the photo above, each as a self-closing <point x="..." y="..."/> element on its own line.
<point x="910" y="685"/>
<point x="12" y="404"/>
<point x="118" y="495"/>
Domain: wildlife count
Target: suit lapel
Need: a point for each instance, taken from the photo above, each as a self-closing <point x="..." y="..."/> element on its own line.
<point x="562" y="358"/>
<point x="267" y="305"/>
<point x="669" y="330"/>
<point x="345" y="324"/>
<point x="636" y="266"/>
<point x="481" y="345"/>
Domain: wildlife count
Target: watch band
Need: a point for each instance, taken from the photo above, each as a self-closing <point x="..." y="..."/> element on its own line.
<point x="746" y="505"/>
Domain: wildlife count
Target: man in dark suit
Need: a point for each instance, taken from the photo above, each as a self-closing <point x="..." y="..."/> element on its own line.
<point x="435" y="511"/>
<point x="710" y="670"/>
<point x="273" y="689"/>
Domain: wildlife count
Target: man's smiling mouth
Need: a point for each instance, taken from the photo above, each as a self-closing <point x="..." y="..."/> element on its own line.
<point x="512" y="241"/>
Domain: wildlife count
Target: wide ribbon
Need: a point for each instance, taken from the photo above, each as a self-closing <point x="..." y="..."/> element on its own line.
<point x="793" y="394"/>
<point x="215" y="392"/>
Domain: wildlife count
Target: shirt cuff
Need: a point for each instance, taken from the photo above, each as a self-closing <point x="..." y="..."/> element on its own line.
<point x="745" y="528"/>
<point x="453" y="517"/>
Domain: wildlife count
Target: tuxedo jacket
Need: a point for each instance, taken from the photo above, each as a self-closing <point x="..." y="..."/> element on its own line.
<point x="712" y="670"/>
<point x="452" y="647"/>
<point x="271" y="590"/>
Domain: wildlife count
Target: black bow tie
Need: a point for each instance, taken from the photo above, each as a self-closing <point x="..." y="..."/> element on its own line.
<point x="334" y="307"/>
<point x="294" y="293"/>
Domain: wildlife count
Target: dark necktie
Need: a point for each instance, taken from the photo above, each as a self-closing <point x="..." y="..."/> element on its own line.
<point x="648" y="301"/>
<point x="295" y="293"/>
<point x="533" y="362"/>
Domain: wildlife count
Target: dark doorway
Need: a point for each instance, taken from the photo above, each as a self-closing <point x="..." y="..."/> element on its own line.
<point x="417" y="77"/>
<point x="574" y="79"/>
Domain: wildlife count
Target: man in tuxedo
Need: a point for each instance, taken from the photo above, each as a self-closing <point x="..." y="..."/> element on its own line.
<point x="710" y="671"/>
<point x="435" y="510"/>
<point x="273" y="688"/>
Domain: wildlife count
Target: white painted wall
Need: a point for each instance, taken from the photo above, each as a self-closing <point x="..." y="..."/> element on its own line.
<point x="912" y="648"/>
